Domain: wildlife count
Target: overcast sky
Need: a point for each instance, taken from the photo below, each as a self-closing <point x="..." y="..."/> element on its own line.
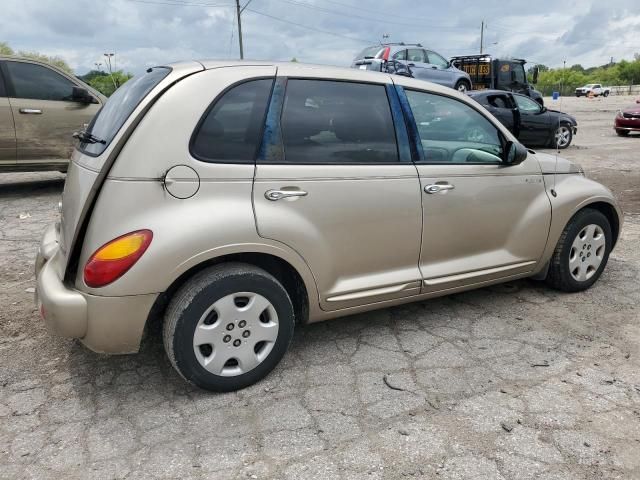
<point x="151" y="32"/>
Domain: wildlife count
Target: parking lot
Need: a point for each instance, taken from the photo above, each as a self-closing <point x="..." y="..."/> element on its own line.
<point x="514" y="381"/>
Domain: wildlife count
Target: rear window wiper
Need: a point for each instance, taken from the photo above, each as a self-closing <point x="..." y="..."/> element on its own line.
<point x="86" y="137"/>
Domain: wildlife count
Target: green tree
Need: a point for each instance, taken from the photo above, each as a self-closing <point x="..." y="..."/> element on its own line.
<point x="107" y="83"/>
<point x="5" y="49"/>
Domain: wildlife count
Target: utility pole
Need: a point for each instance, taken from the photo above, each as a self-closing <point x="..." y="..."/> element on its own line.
<point x="481" y="36"/>
<point x="239" y="28"/>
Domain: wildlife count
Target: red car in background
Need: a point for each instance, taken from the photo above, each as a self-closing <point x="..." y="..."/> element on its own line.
<point x="628" y="120"/>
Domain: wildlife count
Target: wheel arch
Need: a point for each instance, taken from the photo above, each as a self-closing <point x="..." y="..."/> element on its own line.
<point x="297" y="286"/>
<point x="609" y="211"/>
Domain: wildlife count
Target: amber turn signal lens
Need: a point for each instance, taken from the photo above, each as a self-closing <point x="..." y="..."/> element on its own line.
<point x="114" y="258"/>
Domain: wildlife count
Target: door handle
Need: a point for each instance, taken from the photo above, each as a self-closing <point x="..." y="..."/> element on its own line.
<point x="437" y="188"/>
<point x="33" y="111"/>
<point x="275" y="195"/>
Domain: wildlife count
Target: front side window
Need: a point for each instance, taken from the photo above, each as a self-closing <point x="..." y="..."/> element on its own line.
<point x="525" y="104"/>
<point x="452" y="132"/>
<point x="337" y="122"/>
<point x="230" y="130"/>
<point x="519" y="73"/>
<point x="437" y="60"/>
<point x="37" y="82"/>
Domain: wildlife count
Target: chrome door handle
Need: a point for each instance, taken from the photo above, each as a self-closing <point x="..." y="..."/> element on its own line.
<point x="274" y="195"/>
<point x="437" y="188"/>
<point x="33" y="111"/>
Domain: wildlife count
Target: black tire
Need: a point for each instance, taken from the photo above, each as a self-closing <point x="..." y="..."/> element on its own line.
<point x="566" y="128"/>
<point x="606" y="94"/>
<point x="462" y="86"/>
<point x="559" y="276"/>
<point x="622" y="133"/>
<point x="197" y="295"/>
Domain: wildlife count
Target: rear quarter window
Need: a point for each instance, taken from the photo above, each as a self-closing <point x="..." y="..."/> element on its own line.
<point x="230" y="130"/>
<point x="106" y="124"/>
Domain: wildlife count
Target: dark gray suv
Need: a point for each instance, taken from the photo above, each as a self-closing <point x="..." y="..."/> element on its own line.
<point x="412" y="60"/>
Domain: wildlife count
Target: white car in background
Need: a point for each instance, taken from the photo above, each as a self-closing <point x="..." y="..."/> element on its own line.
<point x="595" y="88"/>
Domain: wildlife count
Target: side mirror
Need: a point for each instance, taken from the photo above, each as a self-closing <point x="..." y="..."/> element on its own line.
<point x="82" y="95"/>
<point x="543" y="109"/>
<point x="536" y="70"/>
<point x="514" y="153"/>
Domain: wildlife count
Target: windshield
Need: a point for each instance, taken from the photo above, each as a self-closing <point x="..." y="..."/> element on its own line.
<point x="369" y="52"/>
<point x="121" y="104"/>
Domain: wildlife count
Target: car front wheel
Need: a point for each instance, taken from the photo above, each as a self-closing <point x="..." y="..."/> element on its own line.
<point x="563" y="136"/>
<point x="622" y="133"/>
<point x="582" y="252"/>
<point x="228" y="326"/>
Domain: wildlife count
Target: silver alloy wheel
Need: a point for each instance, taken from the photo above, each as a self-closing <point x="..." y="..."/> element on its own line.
<point x="587" y="252"/>
<point x="563" y="136"/>
<point x="235" y="334"/>
<point x="462" y="87"/>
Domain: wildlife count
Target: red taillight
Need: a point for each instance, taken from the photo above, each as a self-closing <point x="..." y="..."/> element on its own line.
<point x="385" y="54"/>
<point x="114" y="258"/>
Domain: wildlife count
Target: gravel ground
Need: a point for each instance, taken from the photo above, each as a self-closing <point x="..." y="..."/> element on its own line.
<point x="509" y="382"/>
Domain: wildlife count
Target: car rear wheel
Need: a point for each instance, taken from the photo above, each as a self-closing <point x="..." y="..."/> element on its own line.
<point x="563" y="136"/>
<point x="228" y="327"/>
<point x="462" y="86"/>
<point x="622" y="133"/>
<point x="582" y="252"/>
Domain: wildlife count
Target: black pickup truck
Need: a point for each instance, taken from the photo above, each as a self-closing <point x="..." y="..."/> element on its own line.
<point x="487" y="72"/>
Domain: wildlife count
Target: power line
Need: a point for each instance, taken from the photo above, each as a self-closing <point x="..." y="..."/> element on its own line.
<point x="311" y="28"/>
<point x="376" y="20"/>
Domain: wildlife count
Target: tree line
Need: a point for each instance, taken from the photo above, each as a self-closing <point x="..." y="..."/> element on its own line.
<point x="566" y="80"/>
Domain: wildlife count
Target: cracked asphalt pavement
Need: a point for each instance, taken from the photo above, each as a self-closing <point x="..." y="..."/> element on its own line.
<point x="514" y="381"/>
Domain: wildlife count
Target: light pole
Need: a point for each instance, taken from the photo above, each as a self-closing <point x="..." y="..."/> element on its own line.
<point x="98" y="66"/>
<point x="109" y="55"/>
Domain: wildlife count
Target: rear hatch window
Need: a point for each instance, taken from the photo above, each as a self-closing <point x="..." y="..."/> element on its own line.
<point x="105" y="125"/>
<point x="369" y="52"/>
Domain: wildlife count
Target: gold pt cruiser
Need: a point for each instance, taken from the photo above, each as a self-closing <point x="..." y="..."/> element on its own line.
<point x="232" y="201"/>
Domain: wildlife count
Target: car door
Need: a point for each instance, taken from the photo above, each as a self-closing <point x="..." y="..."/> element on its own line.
<point x="44" y="113"/>
<point x="438" y="68"/>
<point x="7" y="129"/>
<point x="502" y="106"/>
<point x="535" y="123"/>
<point x="417" y="62"/>
<point x="482" y="220"/>
<point x="334" y="184"/>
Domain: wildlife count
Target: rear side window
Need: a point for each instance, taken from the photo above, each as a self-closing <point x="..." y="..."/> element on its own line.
<point x="230" y="130"/>
<point x="38" y="83"/>
<point x="337" y="122"/>
<point x="121" y="104"/>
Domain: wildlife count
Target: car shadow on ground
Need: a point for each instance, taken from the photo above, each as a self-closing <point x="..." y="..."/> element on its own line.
<point x="31" y="185"/>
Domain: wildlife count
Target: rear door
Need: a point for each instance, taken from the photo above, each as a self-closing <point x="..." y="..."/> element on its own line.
<point x="45" y="115"/>
<point x="482" y="220"/>
<point x="335" y="182"/>
<point x="502" y="107"/>
<point x="535" y="121"/>
<point x="417" y="62"/>
<point x="7" y="129"/>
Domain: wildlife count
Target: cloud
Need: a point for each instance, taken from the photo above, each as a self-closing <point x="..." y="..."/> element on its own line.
<point x="148" y="32"/>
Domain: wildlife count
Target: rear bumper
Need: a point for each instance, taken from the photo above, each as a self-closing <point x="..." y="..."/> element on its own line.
<point x="103" y="324"/>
